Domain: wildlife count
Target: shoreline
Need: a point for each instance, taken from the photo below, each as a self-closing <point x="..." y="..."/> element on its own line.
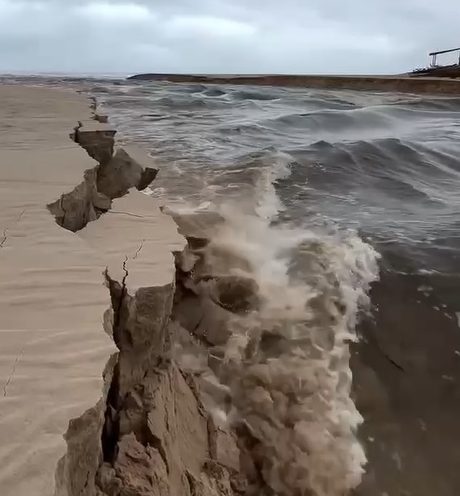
<point x="67" y="219"/>
<point x="403" y="84"/>
<point x="83" y="251"/>
<point x="149" y="422"/>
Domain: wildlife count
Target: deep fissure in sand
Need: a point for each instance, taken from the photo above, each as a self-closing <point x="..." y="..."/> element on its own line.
<point x="115" y="173"/>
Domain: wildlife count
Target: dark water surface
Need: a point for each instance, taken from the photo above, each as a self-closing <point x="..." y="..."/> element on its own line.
<point x="387" y="167"/>
<point x="379" y="167"/>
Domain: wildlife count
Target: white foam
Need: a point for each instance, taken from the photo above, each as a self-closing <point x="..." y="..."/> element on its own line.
<point x="297" y="401"/>
<point x="281" y="161"/>
<point x="268" y="204"/>
<point x="295" y="398"/>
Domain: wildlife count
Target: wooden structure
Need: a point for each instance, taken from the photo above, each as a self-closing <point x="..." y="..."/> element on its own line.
<point x="434" y="56"/>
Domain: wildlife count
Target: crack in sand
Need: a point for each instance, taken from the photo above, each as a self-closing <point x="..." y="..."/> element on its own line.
<point x="125" y="270"/>
<point x="101" y="184"/>
<point x="5" y="237"/>
<point x="138" y="250"/>
<point x="126" y="213"/>
<point x="13" y="370"/>
<point x="5" y="231"/>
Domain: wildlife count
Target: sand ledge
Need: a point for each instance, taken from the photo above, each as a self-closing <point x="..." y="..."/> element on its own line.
<point x="170" y="303"/>
<point x="50" y="269"/>
<point x="140" y="380"/>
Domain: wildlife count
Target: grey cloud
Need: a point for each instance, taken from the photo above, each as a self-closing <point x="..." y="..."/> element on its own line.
<point x="314" y="36"/>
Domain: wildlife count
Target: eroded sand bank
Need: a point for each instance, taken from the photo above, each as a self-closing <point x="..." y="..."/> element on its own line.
<point x="52" y="293"/>
<point x="82" y="251"/>
<point x="198" y="335"/>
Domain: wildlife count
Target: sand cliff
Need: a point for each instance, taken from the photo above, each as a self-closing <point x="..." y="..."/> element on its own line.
<point x="83" y="250"/>
<point x="53" y="261"/>
<point x="160" y="426"/>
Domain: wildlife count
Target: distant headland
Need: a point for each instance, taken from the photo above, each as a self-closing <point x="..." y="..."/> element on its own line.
<point x="396" y="83"/>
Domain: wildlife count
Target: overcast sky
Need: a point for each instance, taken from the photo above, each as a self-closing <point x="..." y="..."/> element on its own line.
<point x="226" y="36"/>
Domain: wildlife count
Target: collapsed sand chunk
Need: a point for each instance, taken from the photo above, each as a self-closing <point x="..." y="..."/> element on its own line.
<point x="97" y="139"/>
<point x="111" y="178"/>
<point x="123" y="172"/>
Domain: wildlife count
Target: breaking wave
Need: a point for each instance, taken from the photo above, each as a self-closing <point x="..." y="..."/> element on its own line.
<point x="289" y="360"/>
<point x="285" y="364"/>
<point x="310" y="189"/>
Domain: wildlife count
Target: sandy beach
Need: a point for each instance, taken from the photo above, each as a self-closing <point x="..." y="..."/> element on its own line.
<point x="52" y="292"/>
